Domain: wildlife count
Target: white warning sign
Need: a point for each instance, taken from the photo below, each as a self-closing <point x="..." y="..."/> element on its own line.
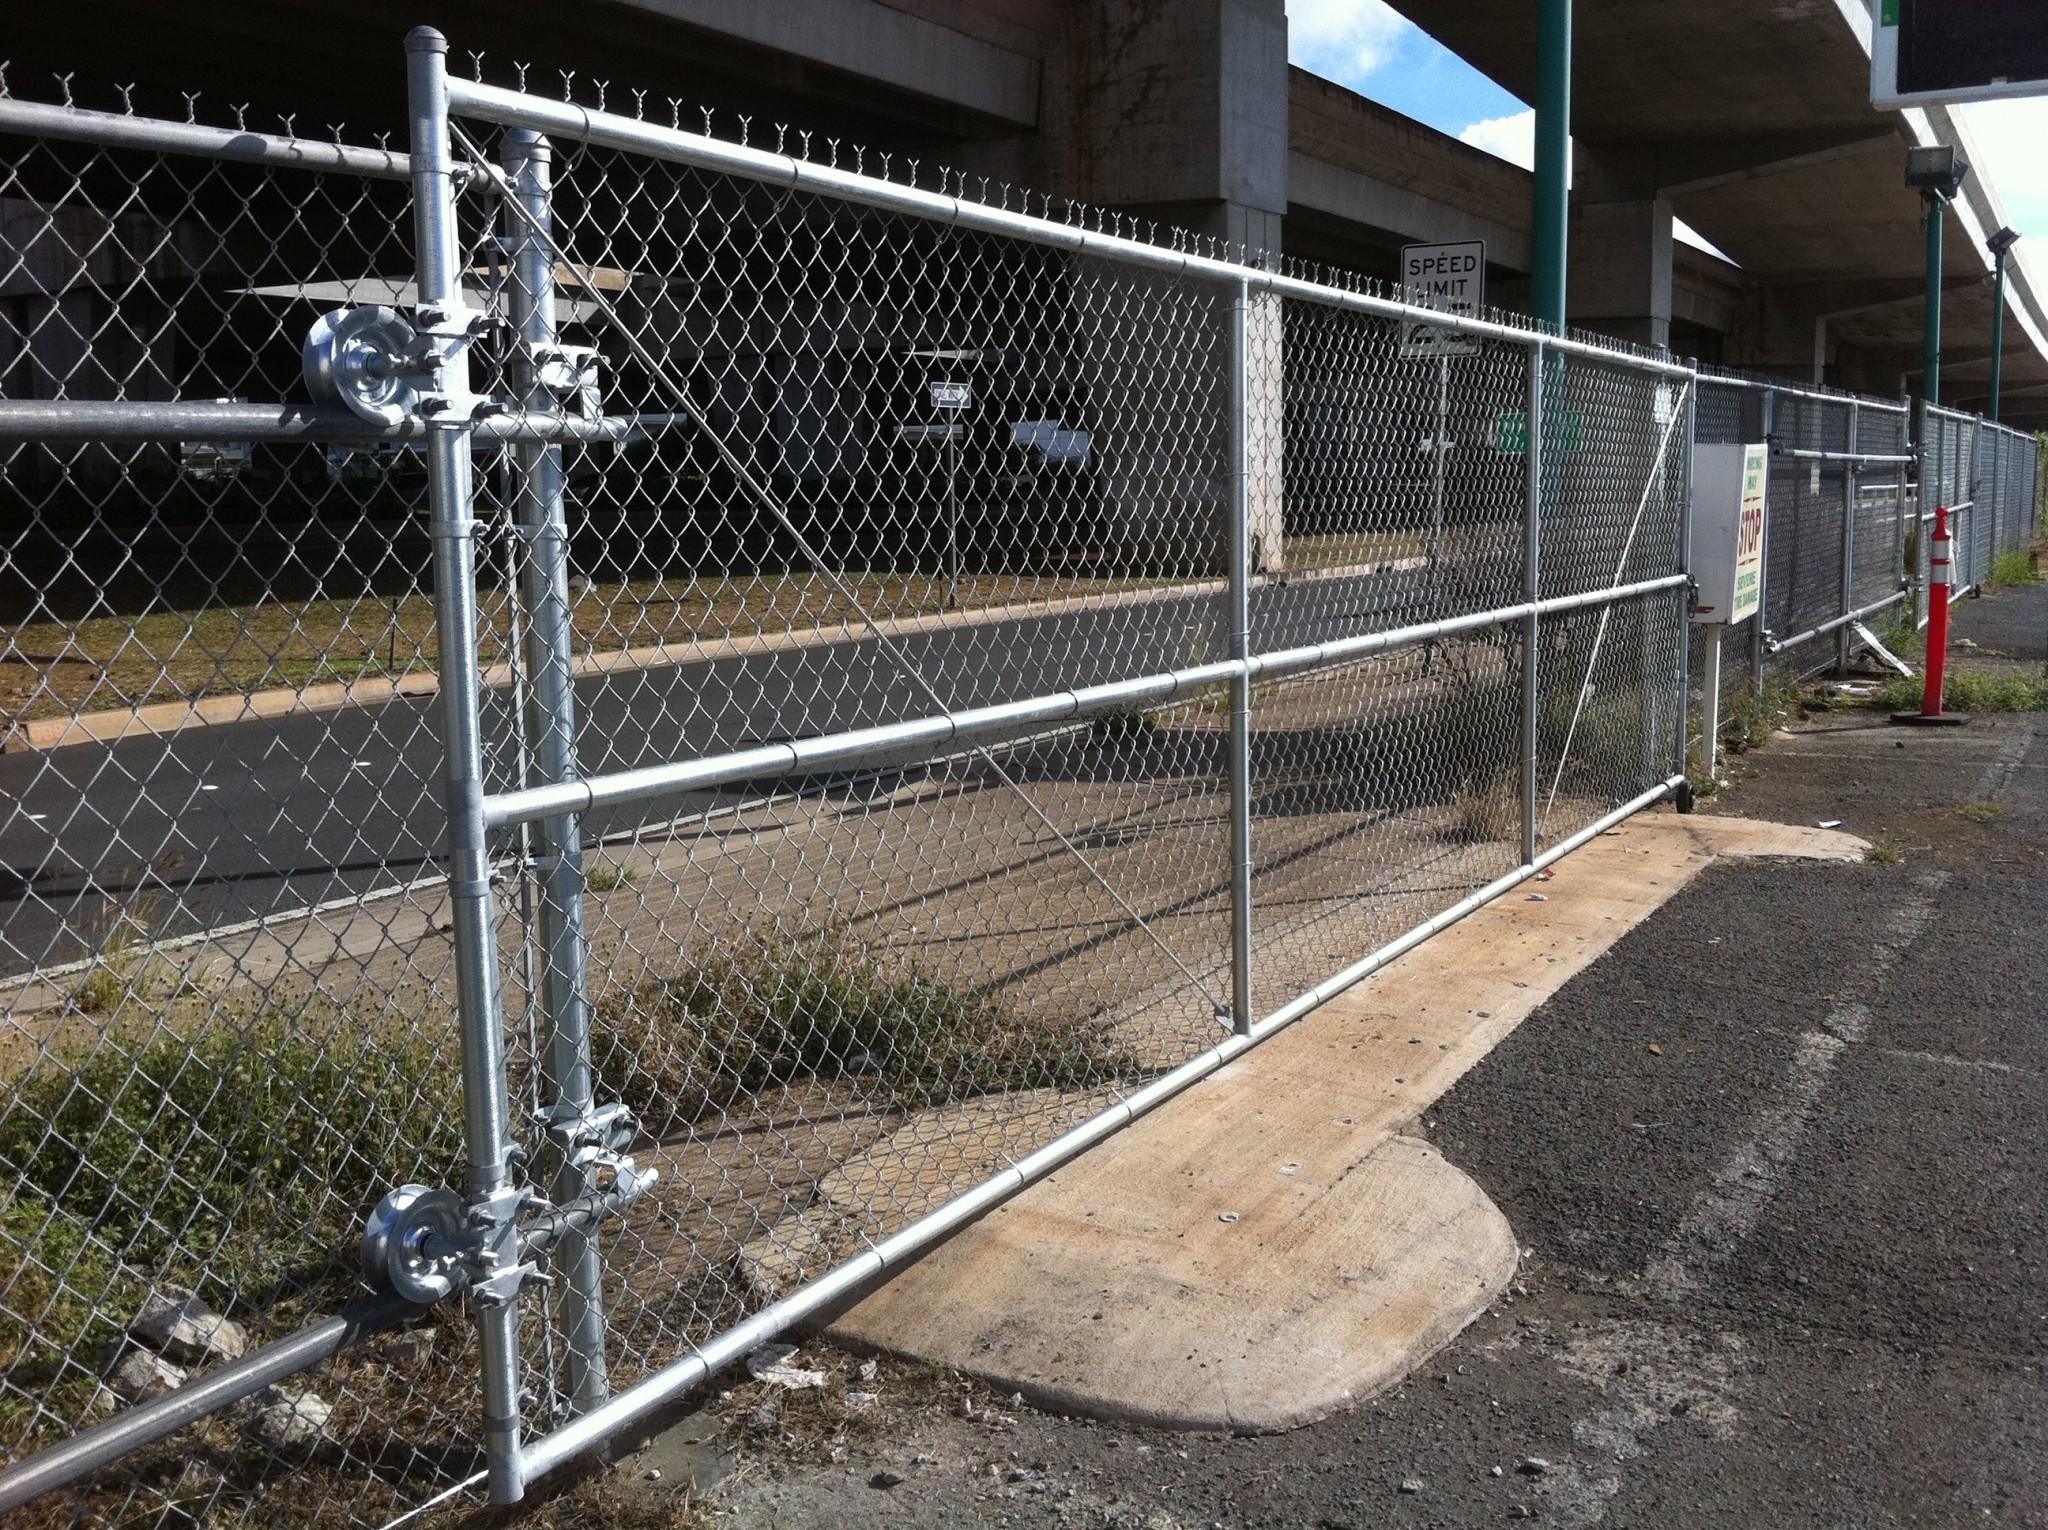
<point x="1449" y="277"/>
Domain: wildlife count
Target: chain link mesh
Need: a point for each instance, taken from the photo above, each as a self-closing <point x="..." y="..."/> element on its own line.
<point x="869" y="468"/>
<point x="224" y="975"/>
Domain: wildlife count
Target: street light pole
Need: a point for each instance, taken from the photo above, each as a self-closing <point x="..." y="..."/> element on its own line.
<point x="1936" y="171"/>
<point x="2001" y="243"/>
<point x="1930" y="345"/>
<point x="1553" y="160"/>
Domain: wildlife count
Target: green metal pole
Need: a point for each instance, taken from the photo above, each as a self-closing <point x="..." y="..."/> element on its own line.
<point x="1930" y="356"/>
<point x="1997" y="333"/>
<point x="1553" y="158"/>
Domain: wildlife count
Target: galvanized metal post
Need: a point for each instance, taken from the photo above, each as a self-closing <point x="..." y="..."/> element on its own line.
<point x="1532" y="591"/>
<point x="1442" y="466"/>
<point x="1685" y="598"/>
<point x="1710" y="702"/>
<point x="550" y="704"/>
<point x="1553" y="160"/>
<point x="1922" y="423"/>
<point x="1758" y="623"/>
<point x="1850" y="489"/>
<point x="487" y="1137"/>
<point x="1239" y="534"/>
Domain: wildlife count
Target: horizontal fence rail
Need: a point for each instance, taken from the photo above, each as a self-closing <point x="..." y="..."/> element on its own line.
<point x="620" y="730"/>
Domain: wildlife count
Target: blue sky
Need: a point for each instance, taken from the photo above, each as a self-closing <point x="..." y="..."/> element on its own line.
<point x="1365" y="45"/>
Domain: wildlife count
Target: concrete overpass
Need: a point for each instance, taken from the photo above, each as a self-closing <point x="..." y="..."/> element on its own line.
<point x="1749" y="118"/>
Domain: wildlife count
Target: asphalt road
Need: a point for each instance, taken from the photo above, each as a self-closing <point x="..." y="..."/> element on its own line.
<point x="1786" y="1270"/>
<point x="265" y="816"/>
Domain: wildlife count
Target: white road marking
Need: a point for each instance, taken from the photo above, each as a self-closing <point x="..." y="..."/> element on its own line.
<point x="1644" y="1369"/>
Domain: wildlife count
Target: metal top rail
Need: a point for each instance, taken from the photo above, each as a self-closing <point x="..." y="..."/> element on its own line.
<point x="1804" y="390"/>
<point x="75" y="124"/>
<point x="510" y="108"/>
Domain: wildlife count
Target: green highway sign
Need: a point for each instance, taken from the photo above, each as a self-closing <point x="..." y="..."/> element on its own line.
<point x="1511" y="432"/>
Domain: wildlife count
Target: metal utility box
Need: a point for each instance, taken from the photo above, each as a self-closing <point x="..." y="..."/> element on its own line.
<point x="1729" y="495"/>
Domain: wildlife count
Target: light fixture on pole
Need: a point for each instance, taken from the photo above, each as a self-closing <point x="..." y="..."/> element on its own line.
<point x="1936" y="171"/>
<point x="2000" y="243"/>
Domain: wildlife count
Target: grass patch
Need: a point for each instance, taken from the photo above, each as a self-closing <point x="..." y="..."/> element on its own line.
<point x="608" y="876"/>
<point x="2016" y="565"/>
<point x="1749" y="717"/>
<point x="1483" y="813"/>
<point x="67" y="1295"/>
<point x="1979" y="812"/>
<point x="55" y="668"/>
<point x="236" y="1158"/>
<point x="125" y="964"/>
<point x="1883" y="852"/>
<point x="768" y="1013"/>
<point x="1971" y="690"/>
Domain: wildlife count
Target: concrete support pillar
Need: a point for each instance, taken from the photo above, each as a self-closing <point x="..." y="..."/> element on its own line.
<point x="1620" y="278"/>
<point x="1265" y="453"/>
<point x="1177" y="113"/>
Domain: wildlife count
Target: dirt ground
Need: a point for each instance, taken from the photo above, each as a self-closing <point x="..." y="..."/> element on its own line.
<point x="1775" y="1162"/>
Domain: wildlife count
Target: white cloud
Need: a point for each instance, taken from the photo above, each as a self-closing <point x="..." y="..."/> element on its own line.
<point x="1512" y="138"/>
<point x="2011" y="139"/>
<point x="1343" y="39"/>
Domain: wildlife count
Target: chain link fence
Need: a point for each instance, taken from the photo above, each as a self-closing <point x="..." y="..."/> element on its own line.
<point x="615" y="729"/>
<point x="1853" y="488"/>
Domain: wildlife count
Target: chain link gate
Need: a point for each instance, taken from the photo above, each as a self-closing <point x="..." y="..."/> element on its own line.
<point x="920" y="677"/>
<point x="1854" y="486"/>
<point x="1987" y="477"/>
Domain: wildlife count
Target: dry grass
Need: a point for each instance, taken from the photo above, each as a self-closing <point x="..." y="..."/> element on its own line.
<point x="57" y="668"/>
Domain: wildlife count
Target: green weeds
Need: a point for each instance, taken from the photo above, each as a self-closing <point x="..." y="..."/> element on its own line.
<point x="770" y="1013"/>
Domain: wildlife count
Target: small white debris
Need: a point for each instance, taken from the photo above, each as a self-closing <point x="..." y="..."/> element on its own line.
<point x="1830" y="823"/>
<point x="862" y="1399"/>
<point x="652" y="1474"/>
<point x="774" y="1364"/>
<point x="1227" y="1216"/>
<point x="868" y="1368"/>
<point x="1411" y="1484"/>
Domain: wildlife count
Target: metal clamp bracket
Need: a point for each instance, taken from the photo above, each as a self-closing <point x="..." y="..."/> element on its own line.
<point x="592" y="1140"/>
<point x="569" y="372"/>
<point x="376" y="361"/>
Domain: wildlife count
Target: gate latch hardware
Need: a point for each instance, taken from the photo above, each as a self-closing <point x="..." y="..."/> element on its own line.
<point x="593" y="1142"/>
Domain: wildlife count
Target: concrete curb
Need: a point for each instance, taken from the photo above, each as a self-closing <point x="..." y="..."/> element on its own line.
<point x="1276" y="1243"/>
<point x="172" y="717"/>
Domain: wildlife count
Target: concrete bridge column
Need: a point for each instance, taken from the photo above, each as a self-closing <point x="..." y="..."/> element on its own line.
<point x="1619" y="281"/>
<point x="1176" y="111"/>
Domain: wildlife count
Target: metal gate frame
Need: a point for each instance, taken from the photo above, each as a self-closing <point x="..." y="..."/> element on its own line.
<point x="486" y="1246"/>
